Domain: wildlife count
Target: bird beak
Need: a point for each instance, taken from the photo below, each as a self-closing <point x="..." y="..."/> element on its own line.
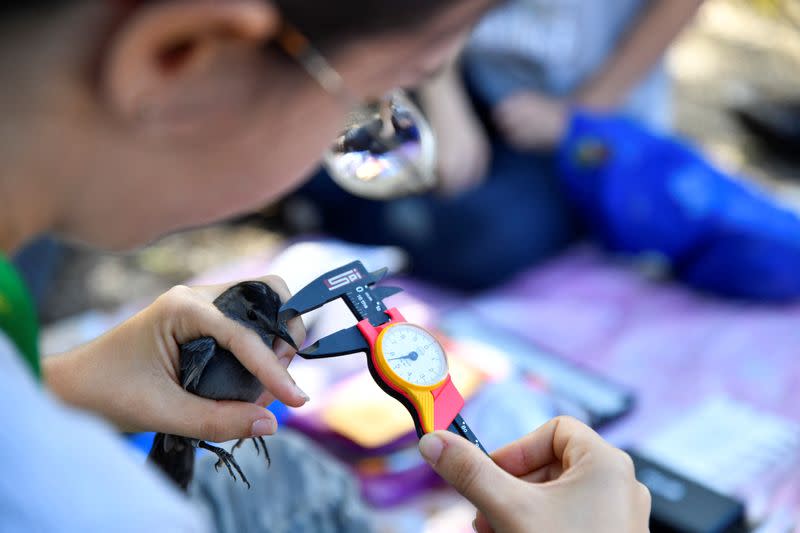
<point x="283" y="333"/>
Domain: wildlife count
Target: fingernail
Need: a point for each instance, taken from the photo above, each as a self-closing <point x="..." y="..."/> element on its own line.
<point x="431" y="446"/>
<point x="264" y="426"/>
<point x="300" y="392"/>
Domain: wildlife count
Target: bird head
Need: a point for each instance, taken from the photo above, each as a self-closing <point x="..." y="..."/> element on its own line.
<point x="260" y="305"/>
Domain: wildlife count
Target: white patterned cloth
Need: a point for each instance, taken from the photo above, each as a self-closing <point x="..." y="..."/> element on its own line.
<point x="304" y="490"/>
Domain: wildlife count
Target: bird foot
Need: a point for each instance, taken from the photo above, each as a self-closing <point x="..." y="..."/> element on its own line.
<point x="256" y="441"/>
<point x="226" y="459"/>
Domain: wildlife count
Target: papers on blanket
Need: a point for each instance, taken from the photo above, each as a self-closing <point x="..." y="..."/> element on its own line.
<point x="733" y="448"/>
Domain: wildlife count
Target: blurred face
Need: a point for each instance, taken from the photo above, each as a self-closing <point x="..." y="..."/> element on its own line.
<point x="189" y="114"/>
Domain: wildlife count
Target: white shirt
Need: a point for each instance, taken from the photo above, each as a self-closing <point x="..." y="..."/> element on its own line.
<point x="63" y="470"/>
<point x="553" y="47"/>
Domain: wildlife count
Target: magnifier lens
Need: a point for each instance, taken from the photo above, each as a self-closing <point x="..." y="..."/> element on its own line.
<point x="386" y="150"/>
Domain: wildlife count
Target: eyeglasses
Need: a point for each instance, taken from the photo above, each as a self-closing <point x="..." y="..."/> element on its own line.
<point x="386" y="148"/>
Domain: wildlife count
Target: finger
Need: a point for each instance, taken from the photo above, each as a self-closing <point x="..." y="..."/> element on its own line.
<point x="573" y="440"/>
<point x="547" y="473"/>
<point x="188" y="317"/>
<point x="521" y="141"/>
<point x="560" y="441"/>
<point x="265" y="399"/>
<point x="507" y="108"/>
<point x="518" y="104"/>
<point x="256" y="357"/>
<point x="467" y="469"/>
<point x="503" y="114"/>
<point x="515" y="130"/>
<point x="643" y="497"/>
<point x="297" y="330"/>
<point x="481" y="523"/>
<point x="522" y="124"/>
<point x="217" y="421"/>
<point x="507" y="131"/>
<point x="512" y="100"/>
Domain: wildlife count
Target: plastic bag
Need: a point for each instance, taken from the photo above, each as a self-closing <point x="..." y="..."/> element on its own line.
<point x="642" y="192"/>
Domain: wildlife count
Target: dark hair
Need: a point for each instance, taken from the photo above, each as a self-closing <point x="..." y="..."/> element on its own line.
<point x="326" y="22"/>
<point x="329" y="22"/>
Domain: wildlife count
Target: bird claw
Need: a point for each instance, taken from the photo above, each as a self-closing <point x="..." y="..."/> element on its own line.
<point x="256" y="441"/>
<point x="225" y="458"/>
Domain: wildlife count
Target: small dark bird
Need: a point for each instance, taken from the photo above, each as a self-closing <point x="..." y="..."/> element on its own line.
<point x="211" y="371"/>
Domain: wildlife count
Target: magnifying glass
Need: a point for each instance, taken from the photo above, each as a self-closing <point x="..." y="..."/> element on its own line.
<point x="386" y="148"/>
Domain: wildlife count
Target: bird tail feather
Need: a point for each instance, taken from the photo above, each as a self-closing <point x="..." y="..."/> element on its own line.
<point x="174" y="456"/>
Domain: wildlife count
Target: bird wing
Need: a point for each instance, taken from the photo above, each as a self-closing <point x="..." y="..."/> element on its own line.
<point x="195" y="355"/>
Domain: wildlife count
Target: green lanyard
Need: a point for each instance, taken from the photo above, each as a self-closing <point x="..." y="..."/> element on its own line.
<point x="18" y="316"/>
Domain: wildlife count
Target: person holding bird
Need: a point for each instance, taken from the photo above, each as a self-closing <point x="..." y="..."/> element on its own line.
<point x="124" y="120"/>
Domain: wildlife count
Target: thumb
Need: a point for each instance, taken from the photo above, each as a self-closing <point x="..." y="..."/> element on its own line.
<point x="470" y="471"/>
<point x="219" y="421"/>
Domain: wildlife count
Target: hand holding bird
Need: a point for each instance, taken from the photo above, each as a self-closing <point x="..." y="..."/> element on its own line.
<point x="131" y="375"/>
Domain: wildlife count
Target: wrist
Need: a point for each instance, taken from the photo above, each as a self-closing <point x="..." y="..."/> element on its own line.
<point x="72" y="377"/>
<point x="58" y="373"/>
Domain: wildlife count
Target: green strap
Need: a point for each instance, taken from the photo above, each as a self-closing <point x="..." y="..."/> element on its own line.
<point x="18" y="316"/>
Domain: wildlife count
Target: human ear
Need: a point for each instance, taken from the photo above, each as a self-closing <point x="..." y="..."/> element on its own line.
<point x="174" y="64"/>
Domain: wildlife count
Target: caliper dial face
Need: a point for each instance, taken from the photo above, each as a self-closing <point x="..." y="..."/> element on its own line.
<point x="414" y="355"/>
